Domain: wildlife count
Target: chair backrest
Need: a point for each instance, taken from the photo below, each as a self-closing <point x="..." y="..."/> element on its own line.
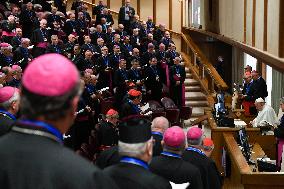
<point x="185" y="112"/>
<point x="173" y="115"/>
<point x="168" y="103"/>
<point x="155" y="106"/>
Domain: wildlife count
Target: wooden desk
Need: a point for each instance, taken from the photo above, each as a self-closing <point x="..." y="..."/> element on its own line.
<point x="242" y="176"/>
<point x="267" y="143"/>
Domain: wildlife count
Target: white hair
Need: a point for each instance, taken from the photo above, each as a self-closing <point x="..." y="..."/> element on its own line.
<point x="23" y="40"/>
<point x="7" y="104"/>
<point x="160" y="123"/>
<point x="132" y="150"/>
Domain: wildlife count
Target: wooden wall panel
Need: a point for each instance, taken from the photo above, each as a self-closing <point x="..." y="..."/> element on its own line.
<point x="162" y="12"/>
<point x="176" y="16"/>
<point x="237" y="22"/>
<point x="249" y="22"/>
<point x="273" y="26"/>
<point x="259" y="24"/>
<point x="134" y="5"/>
<point x="146" y="9"/>
<point x="115" y="5"/>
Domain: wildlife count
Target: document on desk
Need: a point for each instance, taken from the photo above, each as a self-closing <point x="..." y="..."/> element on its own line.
<point x="179" y="186"/>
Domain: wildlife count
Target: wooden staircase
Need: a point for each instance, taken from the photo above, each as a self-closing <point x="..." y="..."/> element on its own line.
<point x="194" y="97"/>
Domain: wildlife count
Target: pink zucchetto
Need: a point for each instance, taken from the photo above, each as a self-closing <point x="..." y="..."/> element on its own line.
<point x="6" y="93"/>
<point x="5" y="45"/>
<point x="50" y="75"/>
<point x="194" y="133"/>
<point x="174" y="137"/>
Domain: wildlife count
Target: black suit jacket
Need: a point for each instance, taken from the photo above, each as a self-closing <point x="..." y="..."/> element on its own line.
<point x="128" y="175"/>
<point x="210" y="175"/>
<point x="43" y="163"/>
<point x="121" y="15"/>
<point x="258" y="89"/>
<point x="53" y="18"/>
<point x="108" y="157"/>
<point x="157" y="148"/>
<point x="173" y="74"/>
<point x="177" y="171"/>
<point x="6" y="124"/>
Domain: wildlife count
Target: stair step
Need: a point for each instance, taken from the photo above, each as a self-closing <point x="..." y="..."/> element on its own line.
<point x="189" y="76"/>
<point x="191" y="82"/>
<point x="196" y="103"/>
<point x="195" y="96"/>
<point x="192" y="89"/>
<point x="197" y="111"/>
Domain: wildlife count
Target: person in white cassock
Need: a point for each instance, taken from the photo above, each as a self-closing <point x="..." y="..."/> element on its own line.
<point x="265" y="113"/>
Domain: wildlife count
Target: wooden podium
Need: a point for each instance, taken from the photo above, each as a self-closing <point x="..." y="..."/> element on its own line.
<point x="243" y="176"/>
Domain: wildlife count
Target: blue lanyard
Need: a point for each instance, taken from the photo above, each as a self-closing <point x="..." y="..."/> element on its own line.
<point x="129" y="48"/>
<point x="117" y="57"/>
<point x="135" y="162"/>
<point x="43" y="33"/>
<point x="57" y="49"/>
<point x="157" y="133"/>
<point x="169" y="154"/>
<point x="8" y="114"/>
<point x="8" y="59"/>
<point x="248" y="87"/>
<point x="105" y="60"/>
<point x="135" y="107"/>
<point x="123" y="74"/>
<point x="44" y="125"/>
<point x="135" y="73"/>
<point x="154" y="70"/>
<point x="195" y="150"/>
<point x="25" y="52"/>
<point x="71" y="22"/>
<point x="177" y="70"/>
<point x="54" y="17"/>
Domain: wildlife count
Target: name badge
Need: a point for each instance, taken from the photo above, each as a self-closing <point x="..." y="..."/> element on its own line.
<point x="157" y="78"/>
<point x="44" y="39"/>
<point x="74" y="30"/>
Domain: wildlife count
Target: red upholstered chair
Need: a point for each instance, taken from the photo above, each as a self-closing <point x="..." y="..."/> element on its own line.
<point x="155" y="106"/>
<point x="172" y="112"/>
<point x="158" y="114"/>
<point x="185" y="113"/>
<point x="168" y="103"/>
<point x="172" y="115"/>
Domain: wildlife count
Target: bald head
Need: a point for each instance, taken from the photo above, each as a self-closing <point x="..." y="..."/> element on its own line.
<point x="160" y="124"/>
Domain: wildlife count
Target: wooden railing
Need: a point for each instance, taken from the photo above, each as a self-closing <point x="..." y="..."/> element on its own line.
<point x="209" y="77"/>
<point x="204" y="71"/>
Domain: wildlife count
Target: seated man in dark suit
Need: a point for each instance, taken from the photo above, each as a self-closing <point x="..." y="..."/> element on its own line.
<point x="169" y="164"/>
<point x="54" y="47"/>
<point x="9" y="107"/>
<point x="210" y="175"/>
<point x="159" y="125"/>
<point x="51" y="89"/>
<point x="135" y="147"/>
<point x="130" y="107"/>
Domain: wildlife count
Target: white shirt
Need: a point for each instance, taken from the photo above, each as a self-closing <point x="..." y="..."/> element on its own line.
<point x="266" y="114"/>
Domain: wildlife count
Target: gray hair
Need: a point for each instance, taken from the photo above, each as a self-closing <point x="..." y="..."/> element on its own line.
<point x="282" y="100"/>
<point x="7" y="104"/>
<point x="23" y="40"/>
<point x="132" y="150"/>
<point x="51" y="108"/>
<point x="160" y="123"/>
<point x="196" y="142"/>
